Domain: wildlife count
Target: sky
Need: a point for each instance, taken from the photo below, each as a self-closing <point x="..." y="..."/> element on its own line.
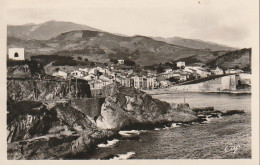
<point x="228" y="22"/>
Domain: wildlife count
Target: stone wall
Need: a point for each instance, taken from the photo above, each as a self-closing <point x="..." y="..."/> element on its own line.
<point x="226" y="83"/>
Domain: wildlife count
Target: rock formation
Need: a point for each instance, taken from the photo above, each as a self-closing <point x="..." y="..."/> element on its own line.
<point x="35" y="132"/>
<point x="126" y="108"/>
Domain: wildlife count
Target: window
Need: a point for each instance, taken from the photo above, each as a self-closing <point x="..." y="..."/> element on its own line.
<point x="16" y="54"/>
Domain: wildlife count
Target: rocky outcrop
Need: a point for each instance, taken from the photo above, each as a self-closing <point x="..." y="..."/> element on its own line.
<point x="126" y="108"/>
<point x="35" y="132"/>
<point x="24" y="69"/>
<point x="46" y="89"/>
<point x="28" y="119"/>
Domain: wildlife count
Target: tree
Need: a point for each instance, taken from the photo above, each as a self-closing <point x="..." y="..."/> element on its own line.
<point x="173" y="79"/>
<point x="113" y="61"/>
<point x="129" y="63"/>
<point x="92" y="64"/>
<point x="236" y="67"/>
<point x="160" y="69"/>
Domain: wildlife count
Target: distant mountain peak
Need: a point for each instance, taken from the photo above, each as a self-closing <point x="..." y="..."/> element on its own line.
<point x="45" y="30"/>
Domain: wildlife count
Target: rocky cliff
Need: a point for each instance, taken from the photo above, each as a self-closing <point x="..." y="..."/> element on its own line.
<point x="46" y="89"/>
<point x="35" y="132"/>
<point x="129" y="108"/>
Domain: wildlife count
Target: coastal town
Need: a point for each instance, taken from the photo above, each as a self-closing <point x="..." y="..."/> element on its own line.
<point x="99" y="77"/>
<point x="176" y="74"/>
<point x="112" y="91"/>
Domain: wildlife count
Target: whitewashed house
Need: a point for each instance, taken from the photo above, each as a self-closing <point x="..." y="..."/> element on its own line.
<point x="217" y="71"/>
<point x="77" y="74"/>
<point x="89" y="77"/>
<point x="84" y="70"/>
<point x="180" y="64"/>
<point x="230" y="71"/>
<point x="60" y="74"/>
<point x="203" y="73"/>
<point x="151" y="82"/>
<point x="168" y="70"/>
<point x="165" y="83"/>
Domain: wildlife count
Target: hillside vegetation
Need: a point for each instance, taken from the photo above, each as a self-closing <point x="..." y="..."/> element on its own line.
<point x="233" y="59"/>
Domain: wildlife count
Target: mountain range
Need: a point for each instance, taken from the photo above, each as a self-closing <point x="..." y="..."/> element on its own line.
<point x="69" y="39"/>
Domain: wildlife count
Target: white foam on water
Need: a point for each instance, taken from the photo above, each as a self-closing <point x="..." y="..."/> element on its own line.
<point x="131" y="132"/>
<point x="165" y="127"/>
<point x="109" y="143"/>
<point x="174" y="125"/>
<point x="208" y="119"/>
<point x="123" y="156"/>
<point x="143" y="130"/>
<point x="157" y="129"/>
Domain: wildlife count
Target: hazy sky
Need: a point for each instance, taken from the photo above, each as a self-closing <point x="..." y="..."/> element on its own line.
<point x="227" y="22"/>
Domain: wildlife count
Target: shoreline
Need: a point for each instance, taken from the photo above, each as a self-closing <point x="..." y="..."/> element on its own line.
<point x="169" y="91"/>
<point x="77" y="135"/>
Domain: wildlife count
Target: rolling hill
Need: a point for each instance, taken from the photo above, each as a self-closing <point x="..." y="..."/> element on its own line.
<point x="196" y="44"/>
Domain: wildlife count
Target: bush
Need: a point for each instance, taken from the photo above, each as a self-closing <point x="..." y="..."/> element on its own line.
<point x="129" y="63"/>
<point x="65" y="62"/>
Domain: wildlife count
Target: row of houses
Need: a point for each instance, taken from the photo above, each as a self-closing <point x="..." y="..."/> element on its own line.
<point x="99" y="77"/>
<point x="195" y="72"/>
<point x="139" y="82"/>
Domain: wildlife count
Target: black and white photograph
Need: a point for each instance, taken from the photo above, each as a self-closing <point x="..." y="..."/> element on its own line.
<point x="131" y="80"/>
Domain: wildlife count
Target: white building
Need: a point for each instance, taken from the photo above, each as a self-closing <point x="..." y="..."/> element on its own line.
<point x="217" y="71"/>
<point x="98" y="69"/>
<point x="168" y="70"/>
<point x="120" y="61"/>
<point x="151" y="82"/>
<point x="60" y="74"/>
<point x="89" y="77"/>
<point x="180" y="64"/>
<point x="245" y="78"/>
<point x="229" y="71"/>
<point x="84" y="70"/>
<point x="16" y="54"/>
<point x="165" y="83"/>
<point x="138" y="81"/>
<point x="77" y="74"/>
<point x="203" y="73"/>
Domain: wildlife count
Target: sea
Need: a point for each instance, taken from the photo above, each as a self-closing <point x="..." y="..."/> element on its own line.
<point x="227" y="137"/>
